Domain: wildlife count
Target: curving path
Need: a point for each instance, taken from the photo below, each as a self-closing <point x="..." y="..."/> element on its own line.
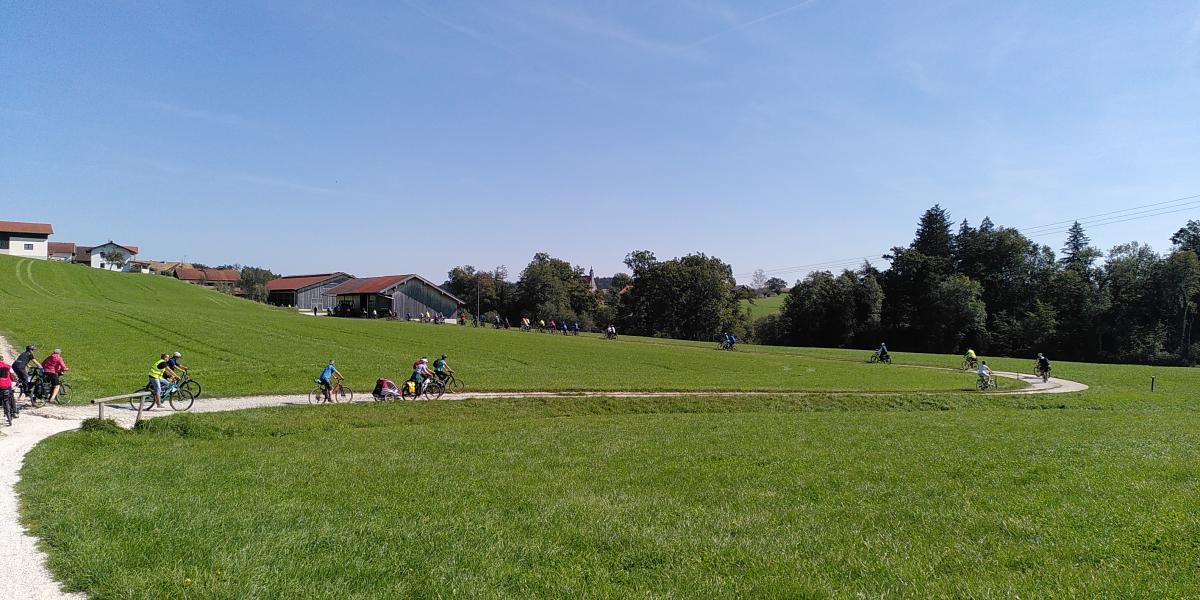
<point x="26" y="576"/>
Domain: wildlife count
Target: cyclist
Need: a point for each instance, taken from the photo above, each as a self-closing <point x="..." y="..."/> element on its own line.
<point x="54" y="367"/>
<point x="174" y="363"/>
<point x="326" y="379"/>
<point x="541" y="326"/>
<point x="1043" y="363"/>
<point x="6" y="392"/>
<point x="882" y="352"/>
<point x="21" y="368"/>
<point x="420" y="374"/>
<point x="441" y="369"/>
<point x="562" y="326"/>
<point x="985" y="372"/>
<point x="157" y="381"/>
<point x="576" y="331"/>
<point x="971" y="358"/>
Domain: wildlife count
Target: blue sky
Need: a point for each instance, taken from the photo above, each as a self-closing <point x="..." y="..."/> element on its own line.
<point x="411" y="136"/>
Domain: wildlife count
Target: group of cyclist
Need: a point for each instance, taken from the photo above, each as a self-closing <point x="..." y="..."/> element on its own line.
<point x="971" y="362"/>
<point x="164" y="371"/>
<point x="422" y="374"/>
<point x="18" y="374"/>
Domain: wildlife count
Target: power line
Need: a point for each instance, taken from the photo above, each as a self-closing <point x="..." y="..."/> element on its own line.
<point x="1132" y="213"/>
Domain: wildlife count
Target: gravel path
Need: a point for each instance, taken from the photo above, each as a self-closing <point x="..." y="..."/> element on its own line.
<point x="26" y="578"/>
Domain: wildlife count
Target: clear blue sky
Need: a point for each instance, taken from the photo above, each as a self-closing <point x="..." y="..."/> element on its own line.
<point x="333" y="136"/>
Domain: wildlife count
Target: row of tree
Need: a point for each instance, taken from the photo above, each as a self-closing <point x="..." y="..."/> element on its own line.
<point x="692" y="297"/>
<point x="993" y="289"/>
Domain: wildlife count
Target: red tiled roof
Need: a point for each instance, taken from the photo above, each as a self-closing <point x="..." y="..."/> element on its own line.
<point x="368" y="285"/>
<point x="296" y="282"/>
<point x="32" y="228"/>
<point x="61" y="247"/>
<point x="207" y="274"/>
<point x="189" y="274"/>
<point x="222" y="274"/>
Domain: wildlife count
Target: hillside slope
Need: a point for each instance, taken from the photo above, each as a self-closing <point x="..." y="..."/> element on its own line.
<point x="113" y="325"/>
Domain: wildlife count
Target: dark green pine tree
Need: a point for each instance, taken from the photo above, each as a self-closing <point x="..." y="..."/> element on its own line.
<point x="934" y="235"/>
<point x="1077" y="252"/>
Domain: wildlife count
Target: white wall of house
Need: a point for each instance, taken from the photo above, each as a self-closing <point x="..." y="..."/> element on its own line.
<point x="98" y="261"/>
<point x="26" y="247"/>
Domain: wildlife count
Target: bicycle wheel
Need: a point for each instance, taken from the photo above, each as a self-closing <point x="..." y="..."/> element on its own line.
<point x="316" y="396"/>
<point x="181" y="399"/>
<point x="64" y="393"/>
<point x="434" y="390"/>
<point x="874" y="358"/>
<point x="455" y="385"/>
<point x="344" y="394"/>
<point x="144" y="400"/>
<point x="192" y="386"/>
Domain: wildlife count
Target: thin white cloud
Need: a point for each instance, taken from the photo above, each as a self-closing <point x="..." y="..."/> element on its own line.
<point x="598" y="27"/>
<point x="201" y="115"/>
<point x="262" y="180"/>
<point x="752" y="22"/>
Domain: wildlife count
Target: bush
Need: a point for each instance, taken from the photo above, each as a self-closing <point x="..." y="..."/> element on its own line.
<point x="101" y="425"/>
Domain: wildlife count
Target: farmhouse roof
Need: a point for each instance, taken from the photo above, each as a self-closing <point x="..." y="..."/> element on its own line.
<point x="207" y="274"/>
<point x="369" y="285"/>
<point x="30" y="228"/>
<point x="60" y="247"/>
<point x="298" y="282"/>
<point x="376" y="285"/>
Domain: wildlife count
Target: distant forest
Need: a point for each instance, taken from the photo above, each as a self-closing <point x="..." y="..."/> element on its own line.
<point x="989" y="287"/>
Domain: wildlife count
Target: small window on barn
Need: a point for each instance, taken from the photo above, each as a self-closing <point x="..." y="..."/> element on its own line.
<point x="29" y="246"/>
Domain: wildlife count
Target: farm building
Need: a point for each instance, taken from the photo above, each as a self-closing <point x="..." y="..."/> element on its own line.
<point x="28" y="240"/>
<point x="101" y="257"/>
<point x="305" y="291"/>
<point x="61" y="251"/>
<point x="398" y="293"/>
<point x="224" y="280"/>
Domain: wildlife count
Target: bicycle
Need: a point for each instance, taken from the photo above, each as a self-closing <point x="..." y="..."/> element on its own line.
<point x="968" y="364"/>
<point x="1043" y="373"/>
<point x="983" y="383"/>
<point x="179" y="398"/>
<point x="886" y="358"/>
<point x="453" y="384"/>
<point x="10" y="405"/>
<point x="339" y="393"/>
<point x="39" y="389"/>
<point x="187" y="383"/>
<point x="432" y="390"/>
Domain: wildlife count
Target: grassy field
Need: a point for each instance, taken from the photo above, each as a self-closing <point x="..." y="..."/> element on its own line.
<point x="822" y="496"/>
<point x="881" y="481"/>
<point x="761" y="307"/>
<point x="112" y="326"/>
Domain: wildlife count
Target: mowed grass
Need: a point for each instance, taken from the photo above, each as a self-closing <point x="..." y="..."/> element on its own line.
<point x="820" y="496"/>
<point x="761" y="307"/>
<point x="112" y="327"/>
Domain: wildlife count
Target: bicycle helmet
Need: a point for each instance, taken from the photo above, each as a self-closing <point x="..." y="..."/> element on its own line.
<point x="178" y="355"/>
<point x="58" y="350"/>
<point x="31" y="347"/>
<point x="443" y="356"/>
<point x="331" y="361"/>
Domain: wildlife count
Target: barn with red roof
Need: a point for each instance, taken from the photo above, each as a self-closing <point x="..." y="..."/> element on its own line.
<point x="305" y="292"/>
<point x="403" y="294"/>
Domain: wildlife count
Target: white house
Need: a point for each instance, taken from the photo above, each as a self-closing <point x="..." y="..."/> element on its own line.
<point x="94" y="256"/>
<point x="28" y="240"/>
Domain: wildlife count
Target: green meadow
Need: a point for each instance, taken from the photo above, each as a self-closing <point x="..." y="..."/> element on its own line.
<point x="840" y="479"/>
<point x="113" y="326"/>
<point x="761" y="307"/>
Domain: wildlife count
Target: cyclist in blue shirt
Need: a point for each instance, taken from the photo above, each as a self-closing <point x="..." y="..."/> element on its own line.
<point x="174" y="363"/>
<point x="326" y="379"/>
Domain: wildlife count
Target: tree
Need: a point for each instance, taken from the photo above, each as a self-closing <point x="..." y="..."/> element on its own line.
<point x="1188" y="237"/>
<point x="685" y="298"/>
<point x="115" y="258"/>
<point x="1078" y="254"/>
<point x="483" y="291"/>
<point x="934" y="236"/>
<point x="776" y="285"/>
<point x="759" y="281"/>
<point x="253" y="282"/>
<point x="551" y="288"/>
